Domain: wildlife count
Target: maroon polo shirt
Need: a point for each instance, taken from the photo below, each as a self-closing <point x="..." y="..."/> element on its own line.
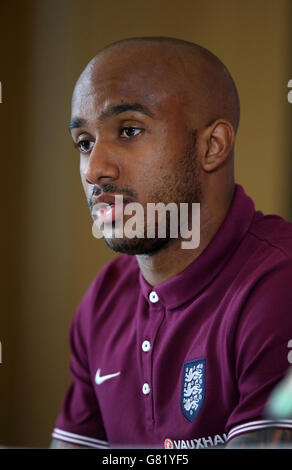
<point x="190" y="362"/>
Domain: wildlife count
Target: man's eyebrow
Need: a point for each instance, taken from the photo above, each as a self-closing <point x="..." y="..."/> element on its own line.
<point x="116" y="109"/>
<point x="111" y="111"/>
<point x="76" y="122"/>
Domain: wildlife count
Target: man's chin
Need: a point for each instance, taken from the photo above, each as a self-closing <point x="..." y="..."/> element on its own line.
<point x="137" y="246"/>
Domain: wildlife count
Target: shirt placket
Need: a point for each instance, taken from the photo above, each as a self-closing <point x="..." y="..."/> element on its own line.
<point x="148" y="347"/>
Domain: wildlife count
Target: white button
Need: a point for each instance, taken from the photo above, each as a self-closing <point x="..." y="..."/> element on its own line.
<point x="146" y="345"/>
<point x="146" y="388"/>
<point x="153" y="297"/>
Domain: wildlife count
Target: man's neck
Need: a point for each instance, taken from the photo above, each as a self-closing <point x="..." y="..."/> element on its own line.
<point x="165" y="264"/>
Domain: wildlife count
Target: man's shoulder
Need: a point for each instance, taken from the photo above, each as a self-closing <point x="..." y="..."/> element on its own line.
<point x="117" y="279"/>
<point x="274" y="232"/>
<point x="263" y="262"/>
<point x="114" y="275"/>
<point x="122" y="265"/>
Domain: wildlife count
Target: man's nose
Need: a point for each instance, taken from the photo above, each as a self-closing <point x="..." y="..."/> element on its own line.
<point x="101" y="165"/>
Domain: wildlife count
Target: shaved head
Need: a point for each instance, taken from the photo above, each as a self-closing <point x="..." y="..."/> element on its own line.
<point x="194" y="72"/>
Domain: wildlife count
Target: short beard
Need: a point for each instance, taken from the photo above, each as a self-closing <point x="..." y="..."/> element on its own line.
<point x="138" y="246"/>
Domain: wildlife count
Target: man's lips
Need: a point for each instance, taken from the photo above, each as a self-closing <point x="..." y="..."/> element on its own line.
<point x="107" y="198"/>
<point x="110" y="214"/>
<point x="108" y="207"/>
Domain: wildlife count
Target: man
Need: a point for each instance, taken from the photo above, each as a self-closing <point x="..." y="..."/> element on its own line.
<point x="170" y="346"/>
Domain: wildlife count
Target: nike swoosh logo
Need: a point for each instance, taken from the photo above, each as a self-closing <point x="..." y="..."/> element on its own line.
<point x="100" y="379"/>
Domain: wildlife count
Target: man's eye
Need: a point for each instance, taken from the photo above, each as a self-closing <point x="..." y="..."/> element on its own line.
<point x="84" y="146"/>
<point x="128" y="132"/>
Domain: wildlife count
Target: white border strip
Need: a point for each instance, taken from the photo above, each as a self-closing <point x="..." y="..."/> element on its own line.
<point x="254" y="425"/>
<point x="78" y="439"/>
<point x="98" y="441"/>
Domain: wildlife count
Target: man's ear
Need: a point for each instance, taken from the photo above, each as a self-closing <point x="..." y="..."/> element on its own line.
<point x="218" y="144"/>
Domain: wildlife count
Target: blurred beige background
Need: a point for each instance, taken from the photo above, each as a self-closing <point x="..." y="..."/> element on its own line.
<point x="49" y="255"/>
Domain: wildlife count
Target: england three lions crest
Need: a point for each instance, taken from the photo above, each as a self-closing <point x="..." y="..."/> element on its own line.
<point x="193" y="387"/>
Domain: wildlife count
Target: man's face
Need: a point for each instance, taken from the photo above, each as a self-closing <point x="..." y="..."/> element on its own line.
<point x="132" y="129"/>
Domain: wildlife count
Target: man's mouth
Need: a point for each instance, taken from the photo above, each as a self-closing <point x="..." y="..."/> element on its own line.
<point x="110" y="213"/>
<point x="107" y="208"/>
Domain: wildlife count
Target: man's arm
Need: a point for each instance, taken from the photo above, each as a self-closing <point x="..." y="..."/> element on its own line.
<point x="265" y="438"/>
<point x="56" y="444"/>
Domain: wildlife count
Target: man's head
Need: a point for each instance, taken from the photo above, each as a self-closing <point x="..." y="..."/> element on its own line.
<point x="155" y="120"/>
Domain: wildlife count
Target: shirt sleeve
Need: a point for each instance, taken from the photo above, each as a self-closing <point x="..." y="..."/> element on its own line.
<point x="80" y="421"/>
<point x="261" y="351"/>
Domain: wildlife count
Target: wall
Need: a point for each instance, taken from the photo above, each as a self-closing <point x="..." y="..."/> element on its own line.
<point x="49" y="255"/>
